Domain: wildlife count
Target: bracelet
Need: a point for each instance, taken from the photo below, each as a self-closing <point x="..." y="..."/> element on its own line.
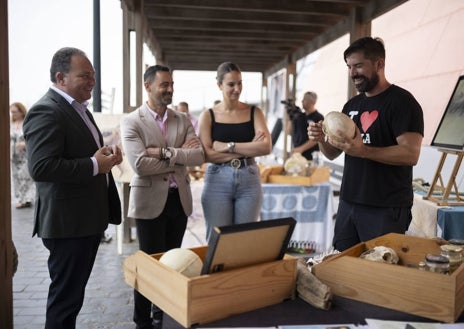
<point x="231" y="146"/>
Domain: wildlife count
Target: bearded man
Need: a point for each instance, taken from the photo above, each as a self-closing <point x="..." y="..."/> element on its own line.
<point x="376" y="193"/>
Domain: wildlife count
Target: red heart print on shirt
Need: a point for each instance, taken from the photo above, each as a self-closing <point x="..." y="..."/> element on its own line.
<point x="368" y="118"/>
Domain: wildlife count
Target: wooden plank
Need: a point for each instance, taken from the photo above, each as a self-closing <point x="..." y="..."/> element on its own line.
<point x="6" y="243"/>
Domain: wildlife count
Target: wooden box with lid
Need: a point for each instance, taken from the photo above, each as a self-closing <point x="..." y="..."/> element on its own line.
<point x="210" y="297"/>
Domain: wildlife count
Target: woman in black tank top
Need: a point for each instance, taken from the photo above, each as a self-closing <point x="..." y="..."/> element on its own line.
<point x="232" y="134"/>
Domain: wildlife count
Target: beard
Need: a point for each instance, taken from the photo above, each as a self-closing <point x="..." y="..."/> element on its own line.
<point x="367" y="84"/>
<point x="166" y="98"/>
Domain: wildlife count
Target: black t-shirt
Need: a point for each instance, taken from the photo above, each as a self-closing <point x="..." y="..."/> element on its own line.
<point x="300" y="131"/>
<point x="381" y="119"/>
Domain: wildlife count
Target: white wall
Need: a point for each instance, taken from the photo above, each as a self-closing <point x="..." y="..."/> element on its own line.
<point x="424" y="54"/>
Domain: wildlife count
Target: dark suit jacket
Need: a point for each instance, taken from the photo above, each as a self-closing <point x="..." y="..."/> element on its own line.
<point x="71" y="202"/>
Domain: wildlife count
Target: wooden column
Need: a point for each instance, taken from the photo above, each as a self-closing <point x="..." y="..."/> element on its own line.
<point x="127" y="27"/>
<point x="264" y="95"/>
<point x="290" y="93"/>
<point x="358" y="29"/>
<point x="132" y="23"/>
<point x="6" y="244"/>
<point x="139" y="28"/>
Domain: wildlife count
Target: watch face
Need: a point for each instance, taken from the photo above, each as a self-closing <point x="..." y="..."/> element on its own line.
<point x="168" y="154"/>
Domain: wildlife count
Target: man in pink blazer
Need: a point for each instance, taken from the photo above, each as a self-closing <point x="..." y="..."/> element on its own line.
<point x="159" y="144"/>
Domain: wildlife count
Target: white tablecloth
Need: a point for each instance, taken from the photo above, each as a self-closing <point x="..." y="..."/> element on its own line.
<point x="424" y="218"/>
<point x="311" y="206"/>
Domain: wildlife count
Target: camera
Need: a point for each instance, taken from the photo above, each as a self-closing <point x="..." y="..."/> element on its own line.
<point x="293" y="111"/>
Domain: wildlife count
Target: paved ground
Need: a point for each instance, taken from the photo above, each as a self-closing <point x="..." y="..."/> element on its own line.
<point x="108" y="301"/>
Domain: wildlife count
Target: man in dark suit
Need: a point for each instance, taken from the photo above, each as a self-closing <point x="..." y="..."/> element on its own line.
<point x="76" y="194"/>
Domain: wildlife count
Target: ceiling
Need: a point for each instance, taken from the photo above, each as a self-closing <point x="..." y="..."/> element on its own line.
<point x="258" y="35"/>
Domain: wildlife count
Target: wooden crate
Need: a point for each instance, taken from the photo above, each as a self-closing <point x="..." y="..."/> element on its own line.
<point x="210" y="297"/>
<point x="399" y="287"/>
<point x="265" y="171"/>
<point x="320" y="175"/>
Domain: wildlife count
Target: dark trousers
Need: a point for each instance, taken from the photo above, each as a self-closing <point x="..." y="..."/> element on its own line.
<point x="155" y="236"/>
<point x="70" y="263"/>
<point x="358" y="223"/>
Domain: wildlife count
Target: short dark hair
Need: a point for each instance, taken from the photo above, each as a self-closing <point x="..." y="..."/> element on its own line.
<point x="372" y="48"/>
<point x="150" y="73"/>
<point x="61" y="61"/>
<point x="225" y="68"/>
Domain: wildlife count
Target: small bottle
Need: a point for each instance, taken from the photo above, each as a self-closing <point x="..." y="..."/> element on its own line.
<point x="316" y="158"/>
<point x="437" y="263"/>
<point x="456" y="242"/>
<point x="422" y="266"/>
<point x="454" y="254"/>
<point x="307" y="169"/>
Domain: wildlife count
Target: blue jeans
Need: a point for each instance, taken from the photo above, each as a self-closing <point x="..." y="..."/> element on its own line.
<point x="231" y="196"/>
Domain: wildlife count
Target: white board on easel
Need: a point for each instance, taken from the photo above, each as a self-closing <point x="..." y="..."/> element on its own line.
<point x="449" y="139"/>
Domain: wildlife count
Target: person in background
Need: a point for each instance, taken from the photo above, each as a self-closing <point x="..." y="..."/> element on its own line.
<point x="76" y="192"/>
<point x="23" y="185"/>
<point x="299" y="124"/>
<point x="184" y="108"/>
<point x="232" y="134"/>
<point x="376" y="191"/>
<point x="159" y="144"/>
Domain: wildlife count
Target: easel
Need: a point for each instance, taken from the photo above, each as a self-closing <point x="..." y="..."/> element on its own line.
<point x="437" y="184"/>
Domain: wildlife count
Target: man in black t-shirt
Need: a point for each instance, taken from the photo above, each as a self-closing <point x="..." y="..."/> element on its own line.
<point x="300" y="122"/>
<point x="376" y="193"/>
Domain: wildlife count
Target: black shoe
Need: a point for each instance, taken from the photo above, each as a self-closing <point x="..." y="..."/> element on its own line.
<point x="150" y="326"/>
<point x="157" y="318"/>
<point x="157" y="324"/>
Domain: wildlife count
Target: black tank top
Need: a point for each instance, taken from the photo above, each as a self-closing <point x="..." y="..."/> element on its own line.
<point x="233" y="132"/>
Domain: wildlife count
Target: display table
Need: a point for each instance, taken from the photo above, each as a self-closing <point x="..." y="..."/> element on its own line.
<point x="450" y="223"/>
<point x="311" y="206"/>
<point x="430" y="220"/>
<point x="298" y="312"/>
<point x="424" y="217"/>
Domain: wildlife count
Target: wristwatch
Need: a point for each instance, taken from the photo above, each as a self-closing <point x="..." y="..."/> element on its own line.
<point x="167" y="154"/>
<point x="231" y="146"/>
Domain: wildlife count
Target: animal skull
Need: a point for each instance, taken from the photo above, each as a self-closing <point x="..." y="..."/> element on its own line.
<point x="381" y="254"/>
<point x="334" y="121"/>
